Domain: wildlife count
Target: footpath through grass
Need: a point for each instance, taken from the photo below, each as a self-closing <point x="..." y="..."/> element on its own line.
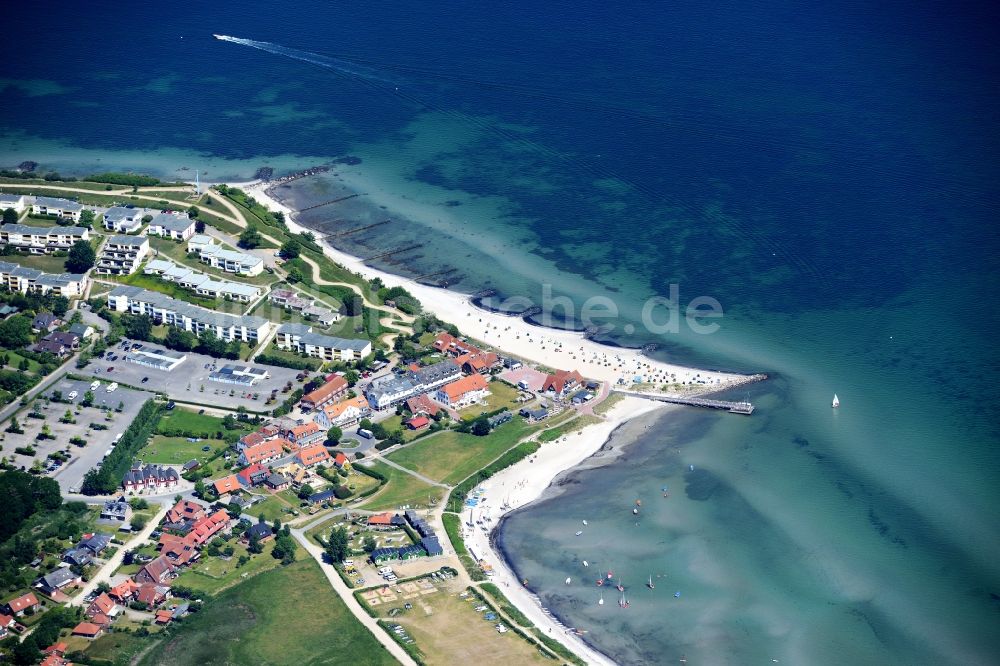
<point x="401" y="489"/>
<point x="286" y="616"/>
<point x="451" y="456"/>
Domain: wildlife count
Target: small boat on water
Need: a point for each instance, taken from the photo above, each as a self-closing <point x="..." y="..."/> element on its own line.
<point x="621" y="588"/>
<point x="677" y="595"/>
<point x="585" y="522"/>
<point x="836" y="401"/>
<point x="579" y="532"/>
<point x="650" y="583"/>
<point x="635" y="512"/>
<point x="611" y="574"/>
<point x="600" y="582"/>
<point x="600" y="601"/>
<point x="569" y="580"/>
<point x="585" y="563"/>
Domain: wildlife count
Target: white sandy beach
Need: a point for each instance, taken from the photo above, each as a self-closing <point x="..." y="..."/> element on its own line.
<point x="522" y="484"/>
<point x="557" y="349"/>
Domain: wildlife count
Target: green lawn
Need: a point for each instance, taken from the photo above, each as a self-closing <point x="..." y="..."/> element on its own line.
<point x="41" y="262"/>
<point x="571" y="425"/>
<point x="402" y="489"/>
<point x="286" y="616"/>
<point x="277" y="506"/>
<point x="212" y="575"/>
<point x="502" y="396"/>
<point x="15" y="360"/>
<point x="188" y="420"/>
<point x="178" y="450"/>
<point x="451" y="456"/>
<point x="116" y="648"/>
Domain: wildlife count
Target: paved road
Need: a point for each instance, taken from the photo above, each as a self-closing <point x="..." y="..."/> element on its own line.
<point x="345" y="593"/>
<point x="109" y="567"/>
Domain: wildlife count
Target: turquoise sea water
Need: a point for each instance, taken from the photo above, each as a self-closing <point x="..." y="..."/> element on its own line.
<point x="828" y="174"/>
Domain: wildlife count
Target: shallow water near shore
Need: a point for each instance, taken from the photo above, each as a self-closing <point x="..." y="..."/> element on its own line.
<point x="828" y="173"/>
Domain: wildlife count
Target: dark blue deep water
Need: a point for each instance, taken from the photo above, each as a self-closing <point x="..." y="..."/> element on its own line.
<point x="826" y="171"/>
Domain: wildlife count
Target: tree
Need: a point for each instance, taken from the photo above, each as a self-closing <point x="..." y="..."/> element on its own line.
<point x="137" y="327"/>
<point x="138" y="522"/>
<point x="352" y="306"/>
<point x="179" y="339"/>
<point x="88" y="399"/>
<point x="291" y="248"/>
<point x="15" y="332"/>
<point x="9" y="216"/>
<point x="352" y="377"/>
<point x="369" y="544"/>
<point x="60" y="305"/>
<point x="229" y="422"/>
<point x="305" y="490"/>
<point x="251" y="238"/>
<point x="81" y="257"/>
<point x="481" y="427"/>
<point x="337" y="548"/>
<point x="23" y="366"/>
<point x="193" y="212"/>
<point x="295" y="275"/>
<point x="199" y="226"/>
<point x="334" y="434"/>
<point x="87" y="219"/>
<point x="199" y="488"/>
<point x="253" y="545"/>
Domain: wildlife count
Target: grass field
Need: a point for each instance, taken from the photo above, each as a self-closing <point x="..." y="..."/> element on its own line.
<point x="41" y="262"/>
<point x="15" y="360"/>
<point x="448" y="630"/>
<point x="501" y="396"/>
<point x="285" y="616"/>
<point x="450" y="457"/>
<point x="117" y="648"/>
<point x="277" y="505"/>
<point x="402" y="489"/>
<point x="203" y="425"/>
<point x="212" y="575"/>
<point x="572" y="425"/>
<point x="177" y="450"/>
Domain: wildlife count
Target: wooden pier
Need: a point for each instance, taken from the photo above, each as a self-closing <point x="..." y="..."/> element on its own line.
<point x="745" y="407"/>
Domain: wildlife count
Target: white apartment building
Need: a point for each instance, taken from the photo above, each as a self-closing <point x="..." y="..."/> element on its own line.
<point x="211" y="253"/>
<point x="123" y="220"/>
<point x="169" y="225"/>
<point x="163" y="309"/>
<point x="41" y="240"/>
<point x="121" y="255"/>
<point x="30" y="280"/>
<point x="200" y="283"/>
<point x="301" y="339"/>
<point x="15" y="201"/>
<point x="57" y="207"/>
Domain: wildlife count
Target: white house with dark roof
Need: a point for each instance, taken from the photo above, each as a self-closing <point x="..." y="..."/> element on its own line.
<point x="169" y="225"/>
<point x="200" y="283"/>
<point x="58" y="207"/>
<point x="123" y="220"/>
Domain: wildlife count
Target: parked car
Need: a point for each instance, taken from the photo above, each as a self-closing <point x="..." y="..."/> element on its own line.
<point x="171" y="404"/>
<point x="72" y="395"/>
<point x="112" y="387"/>
<point x="111" y="368"/>
<point x="95" y="385"/>
<point x="145" y="379"/>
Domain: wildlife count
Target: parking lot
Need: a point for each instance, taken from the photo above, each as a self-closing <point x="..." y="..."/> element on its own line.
<point x="528" y="377"/>
<point x="82" y="459"/>
<point x="189" y="381"/>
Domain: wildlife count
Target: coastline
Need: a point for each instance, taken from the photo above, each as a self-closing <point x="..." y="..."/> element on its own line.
<point x="522" y="484"/>
<point x="526" y="481"/>
<point x="550" y="347"/>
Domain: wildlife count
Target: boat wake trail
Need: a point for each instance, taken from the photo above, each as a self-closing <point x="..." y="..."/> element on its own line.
<point x="352" y="70"/>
